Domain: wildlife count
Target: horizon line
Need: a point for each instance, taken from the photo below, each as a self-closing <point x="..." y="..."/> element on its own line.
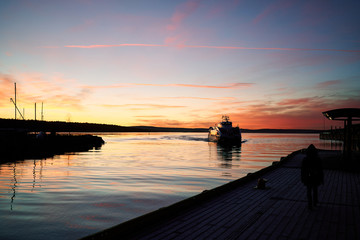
<point x="139" y="126"/>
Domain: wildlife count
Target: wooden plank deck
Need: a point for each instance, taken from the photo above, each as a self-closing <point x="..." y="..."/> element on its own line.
<point x="279" y="212"/>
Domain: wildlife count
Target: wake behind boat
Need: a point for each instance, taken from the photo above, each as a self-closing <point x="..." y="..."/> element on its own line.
<point x="224" y="132"/>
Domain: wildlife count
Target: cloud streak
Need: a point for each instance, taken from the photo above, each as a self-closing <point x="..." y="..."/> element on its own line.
<point x="212" y="47"/>
<point x="328" y="83"/>
<point x="204" y="98"/>
<point x="229" y="86"/>
<point x="181" y="13"/>
<point x="141" y="106"/>
<point x="116" y="45"/>
<point x="36" y="87"/>
<point x="7" y="88"/>
<point x="272" y="9"/>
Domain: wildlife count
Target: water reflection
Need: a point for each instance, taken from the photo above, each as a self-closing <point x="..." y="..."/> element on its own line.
<point x="133" y="174"/>
<point x="13" y="187"/>
<point x="228" y="152"/>
<point x="225" y="157"/>
<point x="34" y="175"/>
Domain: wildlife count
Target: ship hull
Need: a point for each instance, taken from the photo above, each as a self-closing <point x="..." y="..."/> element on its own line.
<point x="224" y="132"/>
<point x="218" y="137"/>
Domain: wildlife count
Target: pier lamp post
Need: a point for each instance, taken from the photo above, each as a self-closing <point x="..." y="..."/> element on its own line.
<point x="348" y="115"/>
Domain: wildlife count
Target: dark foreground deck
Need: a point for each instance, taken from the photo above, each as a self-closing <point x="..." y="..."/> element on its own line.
<point x="239" y="211"/>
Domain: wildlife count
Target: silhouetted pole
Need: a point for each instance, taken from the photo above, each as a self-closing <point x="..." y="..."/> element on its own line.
<point x="16" y="108"/>
<point x="15" y="99"/>
<point x="14" y="102"/>
<point x="42" y="111"/>
<point x="35" y="111"/>
<point x="348" y="138"/>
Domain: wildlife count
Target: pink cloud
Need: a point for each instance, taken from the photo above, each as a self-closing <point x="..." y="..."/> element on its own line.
<point x="261" y="48"/>
<point x="182" y="12"/>
<point x="233" y="85"/>
<point x="83" y="26"/>
<point x="7" y="88"/>
<point x="229" y="86"/>
<point x="210" y="47"/>
<point x="104" y="86"/>
<point x="272" y="9"/>
<point x="222" y="7"/>
<point x="295" y="102"/>
<point x="116" y="45"/>
<point x="316" y="12"/>
<point x="203" y="98"/>
<point x="328" y="83"/>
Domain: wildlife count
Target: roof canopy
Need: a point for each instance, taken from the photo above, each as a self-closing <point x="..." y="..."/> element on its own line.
<point x="343" y="114"/>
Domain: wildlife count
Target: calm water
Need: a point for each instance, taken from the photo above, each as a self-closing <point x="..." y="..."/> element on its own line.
<point x="71" y="196"/>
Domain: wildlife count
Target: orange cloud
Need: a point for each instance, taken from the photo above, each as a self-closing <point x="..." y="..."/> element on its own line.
<point x="161" y="122"/>
<point x="7" y="88"/>
<point x="35" y="87"/>
<point x="302" y="113"/>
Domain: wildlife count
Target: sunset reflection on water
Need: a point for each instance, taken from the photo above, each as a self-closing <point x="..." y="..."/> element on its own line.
<point x="70" y="196"/>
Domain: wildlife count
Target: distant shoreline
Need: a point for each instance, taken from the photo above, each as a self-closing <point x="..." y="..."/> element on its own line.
<point x="58" y="126"/>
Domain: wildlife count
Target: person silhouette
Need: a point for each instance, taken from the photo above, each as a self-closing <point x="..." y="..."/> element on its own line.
<point x="312" y="175"/>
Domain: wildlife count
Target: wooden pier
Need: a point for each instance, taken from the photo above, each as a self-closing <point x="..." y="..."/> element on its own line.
<point x="239" y="211"/>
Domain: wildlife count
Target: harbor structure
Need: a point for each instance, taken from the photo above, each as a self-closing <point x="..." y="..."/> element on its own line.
<point x="348" y="116"/>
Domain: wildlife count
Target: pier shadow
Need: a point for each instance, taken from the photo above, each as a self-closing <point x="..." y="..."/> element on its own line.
<point x="337" y="161"/>
<point x="334" y="160"/>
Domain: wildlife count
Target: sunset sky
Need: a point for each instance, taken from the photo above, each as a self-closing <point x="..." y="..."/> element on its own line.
<point x="266" y="64"/>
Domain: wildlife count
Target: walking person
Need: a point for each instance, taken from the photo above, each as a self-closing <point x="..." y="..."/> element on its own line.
<point x="312" y="175"/>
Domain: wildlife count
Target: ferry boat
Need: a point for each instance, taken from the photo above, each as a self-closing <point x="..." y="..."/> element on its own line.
<point x="224" y="132"/>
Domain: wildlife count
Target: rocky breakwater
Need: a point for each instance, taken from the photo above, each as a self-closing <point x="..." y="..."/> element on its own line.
<point x="22" y="145"/>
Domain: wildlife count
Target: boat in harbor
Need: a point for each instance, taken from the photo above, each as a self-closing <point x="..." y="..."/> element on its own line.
<point x="224" y="132"/>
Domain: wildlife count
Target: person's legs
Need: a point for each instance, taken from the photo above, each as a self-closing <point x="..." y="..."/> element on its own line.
<point x="315" y="195"/>
<point x="309" y="197"/>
